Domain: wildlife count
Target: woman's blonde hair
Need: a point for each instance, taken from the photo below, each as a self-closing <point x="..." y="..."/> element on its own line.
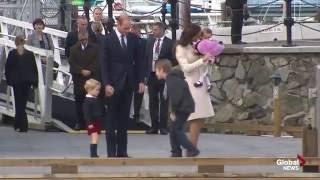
<point x="91" y="84"/>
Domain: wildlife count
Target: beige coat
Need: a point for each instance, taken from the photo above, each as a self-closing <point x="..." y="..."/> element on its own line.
<point x="191" y="65"/>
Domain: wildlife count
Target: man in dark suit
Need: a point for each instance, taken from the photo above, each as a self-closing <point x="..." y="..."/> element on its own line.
<point x="238" y="8"/>
<point x="83" y="60"/>
<point x="72" y="37"/>
<point x="119" y="65"/>
<point x="138" y="97"/>
<point x="158" y="47"/>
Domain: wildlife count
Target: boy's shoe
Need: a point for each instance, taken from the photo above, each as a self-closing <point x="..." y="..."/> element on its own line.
<point x="93" y="150"/>
<point x="193" y="153"/>
<point x="198" y="84"/>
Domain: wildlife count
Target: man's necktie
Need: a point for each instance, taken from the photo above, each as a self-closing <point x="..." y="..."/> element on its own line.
<point x="165" y="91"/>
<point x="157" y="50"/>
<point x="123" y="43"/>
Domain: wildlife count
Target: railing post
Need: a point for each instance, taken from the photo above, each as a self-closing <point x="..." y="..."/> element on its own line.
<point x="47" y="111"/>
<point x="288" y="22"/>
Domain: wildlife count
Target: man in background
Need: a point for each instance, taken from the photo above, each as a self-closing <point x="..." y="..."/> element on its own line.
<point x="238" y="9"/>
<point x="138" y="97"/>
<point x="158" y="47"/>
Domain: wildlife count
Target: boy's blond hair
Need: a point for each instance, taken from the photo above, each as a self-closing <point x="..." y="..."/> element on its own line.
<point x="91" y="84"/>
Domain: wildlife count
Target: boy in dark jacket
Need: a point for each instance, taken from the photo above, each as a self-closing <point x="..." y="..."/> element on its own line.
<point x="93" y="113"/>
<point x="181" y="104"/>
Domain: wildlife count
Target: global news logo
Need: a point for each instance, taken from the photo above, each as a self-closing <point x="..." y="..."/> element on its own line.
<point x="291" y="165"/>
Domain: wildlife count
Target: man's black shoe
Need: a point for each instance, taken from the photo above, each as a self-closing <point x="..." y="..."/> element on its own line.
<point x="239" y="42"/>
<point x="123" y="156"/>
<point x="193" y="154"/>
<point x="163" y="131"/>
<point x="176" y="154"/>
<point x="152" y="131"/>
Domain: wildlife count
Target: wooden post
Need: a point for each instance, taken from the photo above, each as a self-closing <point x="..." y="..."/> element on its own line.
<point x="311" y="134"/>
<point x="309" y="139"/>
<point x="211" y="169"/>
<point x="64" y="169"/>
<point x="276" y="112"/>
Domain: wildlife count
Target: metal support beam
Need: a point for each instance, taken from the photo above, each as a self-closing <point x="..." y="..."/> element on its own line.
<point x="86" y="9"/>
<point x="111" y="21"/>
<point x="164" y="12"/>
<point x="174" y="20"/>
<point x="63" y="15"/>
<point x="288" y="22"/>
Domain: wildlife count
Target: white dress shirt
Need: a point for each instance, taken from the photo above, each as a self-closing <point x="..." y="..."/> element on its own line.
<point x="119" y="37"/>
<point x="83" y="46"/>
<point x="155" y="54"/>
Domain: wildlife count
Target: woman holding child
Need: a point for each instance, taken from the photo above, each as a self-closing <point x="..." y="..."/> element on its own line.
<point x="191" y="65"/>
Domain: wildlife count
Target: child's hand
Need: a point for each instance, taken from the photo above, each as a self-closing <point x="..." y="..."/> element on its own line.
<point x="206" y="58"/>
<point x="172" y="116"/>
<point x="90" y="126"/>
<point x="212" y="60"/>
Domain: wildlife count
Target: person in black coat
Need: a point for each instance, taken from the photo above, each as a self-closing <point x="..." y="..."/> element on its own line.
<point x="238" y="8"/>
<point x="93" y="113"/>
<point x="181" y="106"/>
<point x="138" y="97"/>
<point x="119" y="65"/>
<point x="21" y="73"/>
<point x="83" y="60"/>
<point x="158" y="47"/>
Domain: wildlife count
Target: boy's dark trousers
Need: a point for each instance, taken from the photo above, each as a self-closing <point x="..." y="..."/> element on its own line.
<point x="178" y="136"/>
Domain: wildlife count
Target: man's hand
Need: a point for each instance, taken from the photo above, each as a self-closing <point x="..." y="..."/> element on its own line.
<point x="85" y="73"/>
<point x="141" y="88"/>
<point x="172" y="116"/>
<point x="109" y="90"/>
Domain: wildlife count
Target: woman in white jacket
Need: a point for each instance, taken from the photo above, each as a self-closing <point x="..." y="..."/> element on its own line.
<point x="191" y="65"/>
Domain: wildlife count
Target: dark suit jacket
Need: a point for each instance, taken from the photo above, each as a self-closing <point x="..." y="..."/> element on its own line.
<point x="83" y="59"/>
<point x="142" y="50"/>
<point x="72" y="39"/>
<point x="119" y="65"/>
<point x="21" y="68"/>
<point x="166" y="52"/>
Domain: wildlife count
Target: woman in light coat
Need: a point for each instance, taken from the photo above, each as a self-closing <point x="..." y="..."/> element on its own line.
<point x="191" y="63"/>
<point x="38" y="38"/>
